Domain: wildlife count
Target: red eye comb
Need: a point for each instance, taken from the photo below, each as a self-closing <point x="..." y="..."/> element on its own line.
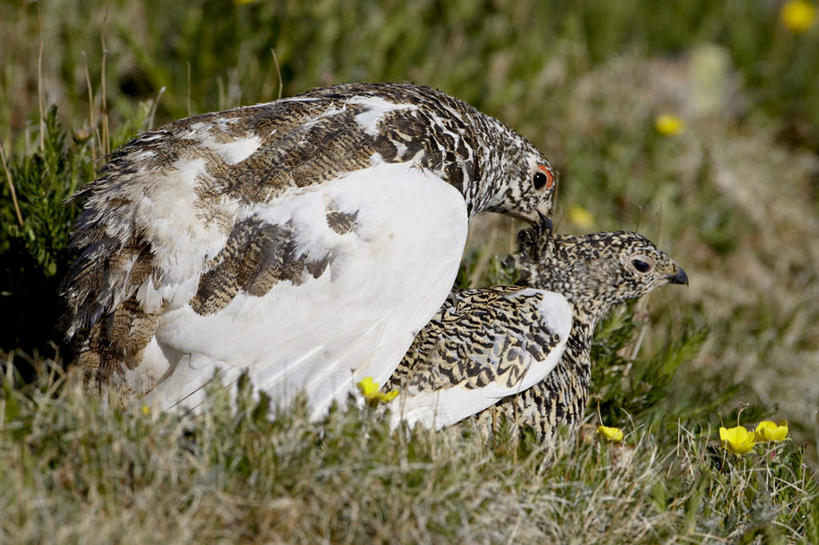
<point x="550" y="177"/>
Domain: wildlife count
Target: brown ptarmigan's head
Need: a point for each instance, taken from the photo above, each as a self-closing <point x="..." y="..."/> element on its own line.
<point x="594" y="271"/>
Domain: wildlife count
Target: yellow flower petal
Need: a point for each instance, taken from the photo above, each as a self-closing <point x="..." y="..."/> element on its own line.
<point x="612" y="434"/>
<point x="581" y="217"/>
<point x="146" y="410"/>
<point x="389" y="396"/>
<point x="369" y="389"/>
<point x="669" y="125"/>
<point x="770" y="431"/>
<point x="737" y="440"/>
<point x="798" y="15"/>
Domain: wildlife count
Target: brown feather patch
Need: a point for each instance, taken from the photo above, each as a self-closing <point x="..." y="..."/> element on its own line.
<point x="341" y="222"/>
<point x="257" y="256"/>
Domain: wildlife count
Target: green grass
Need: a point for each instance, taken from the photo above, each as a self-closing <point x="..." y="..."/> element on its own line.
<point x="734" y="199"/>
<point x="75" y="471"/>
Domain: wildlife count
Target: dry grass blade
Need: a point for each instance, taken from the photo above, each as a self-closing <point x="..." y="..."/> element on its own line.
<point x="278" y="72"/>
<point x="11" y="185"/>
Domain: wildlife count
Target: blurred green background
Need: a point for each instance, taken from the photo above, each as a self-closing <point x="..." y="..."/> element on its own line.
<point x="728" y="185"/>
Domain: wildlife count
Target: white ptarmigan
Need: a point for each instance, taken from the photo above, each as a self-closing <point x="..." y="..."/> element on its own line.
<point x="524" y="351"/>
<point x="305" y="240"/>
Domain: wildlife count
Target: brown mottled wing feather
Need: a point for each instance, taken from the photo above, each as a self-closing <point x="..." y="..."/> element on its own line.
<point x="479" y="336"/>
<point x="479" y="348"/>
<point x="257" y="256"/>
<point x="558" y="399"/>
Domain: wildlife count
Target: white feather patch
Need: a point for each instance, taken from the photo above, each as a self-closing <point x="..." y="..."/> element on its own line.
<point x="236" y="151"/>
<point x="376" y="108"/>
<point x="168" y="205"/>
<point x="386" y="279"/>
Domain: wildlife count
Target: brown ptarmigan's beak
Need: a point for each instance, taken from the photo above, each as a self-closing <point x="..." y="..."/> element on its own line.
<point x="544" y="223"/>
<point x="678" y="277"/>
<point x="540" y="217"/>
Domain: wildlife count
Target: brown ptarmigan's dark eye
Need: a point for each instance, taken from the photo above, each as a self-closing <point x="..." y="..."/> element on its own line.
<point x="640" y="265"/>
<point x="540" y="180"/>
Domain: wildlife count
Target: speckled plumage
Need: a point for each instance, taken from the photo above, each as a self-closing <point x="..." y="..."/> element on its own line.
<point x="482" y="352"/>
<point x="592" y="272"/>
<point x="196" y="213"/>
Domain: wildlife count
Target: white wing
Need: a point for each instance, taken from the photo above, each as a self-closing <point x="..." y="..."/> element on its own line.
<point x="316" y="289"/>
<point x="484" y="345"/>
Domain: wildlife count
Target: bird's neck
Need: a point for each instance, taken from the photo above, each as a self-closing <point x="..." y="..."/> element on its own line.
<point x="468" y="149"/>
<point x="588" y="314"/>
<point x="483" y="192"/>
<point x="589" y="301"/>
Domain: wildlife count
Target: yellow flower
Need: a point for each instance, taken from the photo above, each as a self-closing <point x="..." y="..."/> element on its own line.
<point x="146" y="410"/>
<point x="612" y="434"/>
<point x="369" y="389"/>
<point x="769" y="431"/>
<point x="737" y="440"/>
<point x="581" y="217"/>
<point x="798" y="15"/>
<point x="669" y="125"/>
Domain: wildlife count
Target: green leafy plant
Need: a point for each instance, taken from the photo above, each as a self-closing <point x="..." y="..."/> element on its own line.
<point x="35" y="254"/>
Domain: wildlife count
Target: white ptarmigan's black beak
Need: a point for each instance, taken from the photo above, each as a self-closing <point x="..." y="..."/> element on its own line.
<point x="678" y="277"/>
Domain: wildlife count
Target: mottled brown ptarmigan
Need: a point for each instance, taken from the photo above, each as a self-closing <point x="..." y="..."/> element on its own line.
<point x="305" y="240"/>
<point x="524" y="351"/>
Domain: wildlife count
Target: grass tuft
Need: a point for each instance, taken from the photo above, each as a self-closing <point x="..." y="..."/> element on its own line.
<point x="76" y="470"/>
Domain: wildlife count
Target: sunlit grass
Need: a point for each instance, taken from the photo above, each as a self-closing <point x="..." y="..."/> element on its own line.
<point x="76" y="471"/>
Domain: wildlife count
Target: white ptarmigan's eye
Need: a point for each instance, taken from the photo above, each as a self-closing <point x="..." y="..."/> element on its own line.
<point x="543" y="178"/>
